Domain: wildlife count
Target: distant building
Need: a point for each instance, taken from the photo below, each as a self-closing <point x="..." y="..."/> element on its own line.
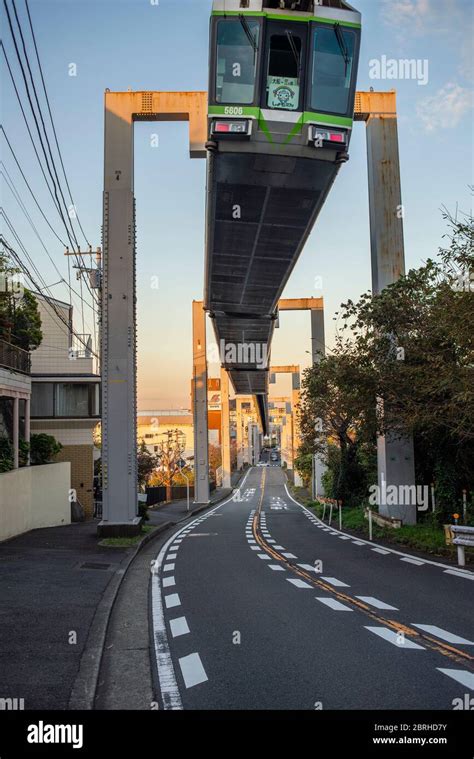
<point x="65" y="400"/>
<point x="152" y="427"/>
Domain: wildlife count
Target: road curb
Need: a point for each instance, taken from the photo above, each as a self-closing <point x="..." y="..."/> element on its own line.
<point x="85" y="685"/>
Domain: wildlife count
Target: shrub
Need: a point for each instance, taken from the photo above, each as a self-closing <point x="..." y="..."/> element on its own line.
<point x="43" y="449"/>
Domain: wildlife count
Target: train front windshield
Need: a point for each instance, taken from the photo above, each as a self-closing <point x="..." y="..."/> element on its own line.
<point x="290" y="66"/>
<point x="237" y="58"/>
<point x="331" y="73"/>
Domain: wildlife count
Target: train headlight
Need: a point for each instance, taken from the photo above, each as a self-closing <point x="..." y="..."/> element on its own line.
<point x="324" y="138"/>
<point x="231" y="128"/>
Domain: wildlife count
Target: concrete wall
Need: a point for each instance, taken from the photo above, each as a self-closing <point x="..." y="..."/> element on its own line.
<point x="76" y="437"/>
<point x="33" y="497"/>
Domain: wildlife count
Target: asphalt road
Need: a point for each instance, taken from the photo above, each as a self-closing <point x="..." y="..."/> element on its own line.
<point x="256" y="605"/>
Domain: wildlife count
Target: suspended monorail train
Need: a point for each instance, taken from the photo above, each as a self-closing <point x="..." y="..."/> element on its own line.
<point x="281" y="104"/>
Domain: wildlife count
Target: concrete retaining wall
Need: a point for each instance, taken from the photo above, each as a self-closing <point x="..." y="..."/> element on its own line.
<point x="33" y="497"/>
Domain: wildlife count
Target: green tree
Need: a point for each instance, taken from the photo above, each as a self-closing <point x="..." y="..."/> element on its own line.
<point x="20" y="321"/>
<point x="403" y="362"/>
<point x="147" y="463"/>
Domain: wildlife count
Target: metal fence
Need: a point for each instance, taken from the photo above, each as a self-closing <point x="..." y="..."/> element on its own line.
<point x="12" y="357"/>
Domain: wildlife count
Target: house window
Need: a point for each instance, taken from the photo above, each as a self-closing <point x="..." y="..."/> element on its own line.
<point x="42" y="399"/>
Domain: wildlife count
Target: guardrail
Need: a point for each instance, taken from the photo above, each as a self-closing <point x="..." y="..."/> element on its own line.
<point x="12" y="357"/>
<point x="463" y="536"/>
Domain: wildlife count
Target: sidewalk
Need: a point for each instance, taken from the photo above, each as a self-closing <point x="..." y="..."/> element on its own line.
<point x="176" y="511"/>
<point x="52" y="583"/>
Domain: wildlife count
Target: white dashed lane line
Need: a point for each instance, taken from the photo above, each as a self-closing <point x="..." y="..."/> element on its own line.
<point x="457" y="573"/>
<point x="192" y="670"/>
<point x="334" y="581"/>
<point x="380" y="550"/>
<point x="413" y="561"/>
<point x="168" y="582"/>
<point x="179" y="626"/>
<point x="263" y="556"/>
<point x="172" y="600"/>
<point x="277" y="567"/>
<point x="299" y="583"/>
<point x="371" y="601"/>
<point x="393" y="637"/>
<point x="308" y="567"/>
<point x="444" y="634"/>
<point x="333" y="604"/>
<point x="168" y="567"/>
<point x="288" y="555"/>
<point x="462" y="676"/>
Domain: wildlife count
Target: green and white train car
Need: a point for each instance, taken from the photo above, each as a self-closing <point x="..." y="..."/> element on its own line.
<point x="281" y="104"/>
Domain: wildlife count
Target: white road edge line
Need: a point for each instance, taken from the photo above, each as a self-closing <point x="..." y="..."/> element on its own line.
<point x="465" y="573"/>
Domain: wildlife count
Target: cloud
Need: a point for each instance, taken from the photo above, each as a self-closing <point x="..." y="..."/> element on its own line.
<point x="406" y="15"/>
<point x="444" y="109"/>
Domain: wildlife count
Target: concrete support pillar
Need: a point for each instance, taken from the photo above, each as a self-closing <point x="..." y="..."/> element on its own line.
<point x="240" y="435"/>
<point x="395" y="457"/>
<point x="250" y="443"/>
<point x="16" y="433"/>
<point x="295" y="397"/>
<point x="28" y="426"/>
<point x="318" y="345"/>
<point x="201" y="439"/>
<point x="318" y="351"/>
<point x="225" y="430"/>
<point x="119" y="409"/>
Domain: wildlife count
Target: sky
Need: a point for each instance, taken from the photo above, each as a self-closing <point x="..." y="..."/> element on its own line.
<point x="142" y="45"/>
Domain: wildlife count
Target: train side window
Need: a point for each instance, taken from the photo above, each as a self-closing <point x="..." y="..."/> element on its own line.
<point x="284" y="71"/>
<point x="237" y="55"/>
<point x="333" y="55"/>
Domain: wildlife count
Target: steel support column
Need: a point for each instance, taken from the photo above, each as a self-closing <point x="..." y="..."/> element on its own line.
<point x="201" y="438"/>
<point x="118" y="332"/>
<point x="395" y="457"/>
<point x="119" y="410"/>
<point x="225" y="429"/>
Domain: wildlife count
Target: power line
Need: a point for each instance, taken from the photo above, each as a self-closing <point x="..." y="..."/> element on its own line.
<point x="24" y="268"/>
<point x="11" y="186"/>
<point x="69" y="232"/>
<point x="29" y="187"/>
<point x="52" y="121"/>
<point x="35" y="118"/>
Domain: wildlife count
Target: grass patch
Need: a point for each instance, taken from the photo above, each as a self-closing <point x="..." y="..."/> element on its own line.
<point x="126" y="542"/>
<point x="424" y="536"/>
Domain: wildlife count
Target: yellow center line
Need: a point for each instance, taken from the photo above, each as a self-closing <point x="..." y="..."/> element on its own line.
<point x="433" y="643"/>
